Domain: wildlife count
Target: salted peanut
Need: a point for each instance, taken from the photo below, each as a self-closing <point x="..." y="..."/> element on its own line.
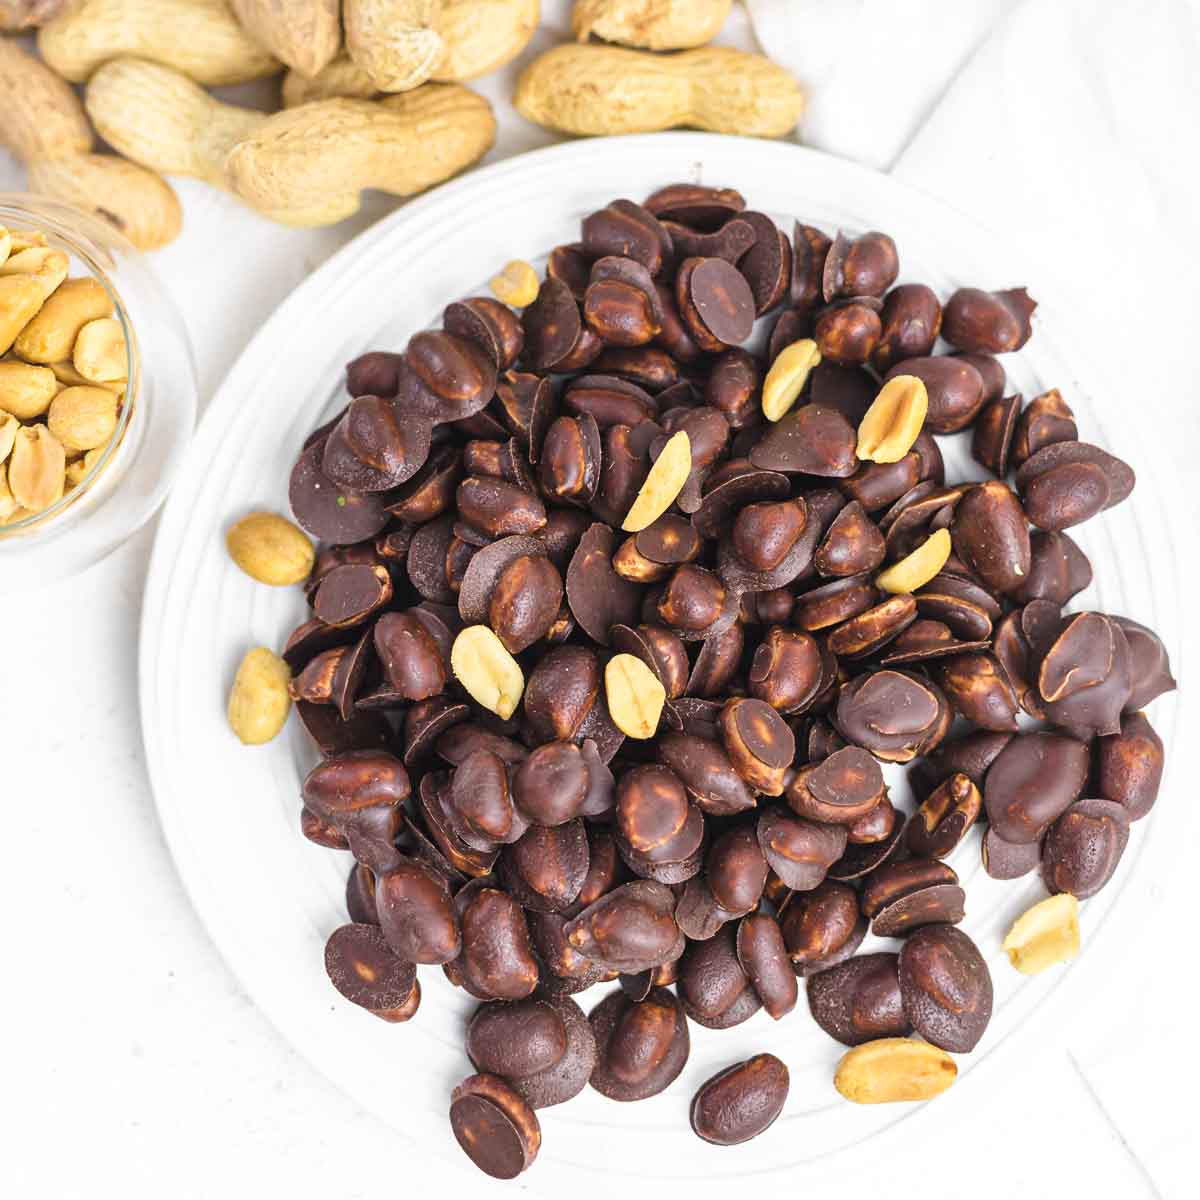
<point x="787" y="377"/>
<point x="635" y="696"/>
<point x="83" y="418"/>
<point x="25" y="391"/>
<point x="515" y="285"/>
<point x="1046" y="934"/>
<point x="486" y="669"/>
<point x="26" y="239"/>
<point x="918" y="568"/>
<point x="8" y="434"/>
<point x="50" y="336"/>
<point x="37" y="468"/>
<point x="270" y="548"/>
<point x="893" y="421"/>
<point x="664" y="482"/>
<point x="20" y="298"/>
<point x="5" y="243"/>
<point x="892" y="1069"/>
<point x="259" y="702"/>
<point x="8" y="503"/>
<point x="101" y="355"/>
<point x="45" y="265"/>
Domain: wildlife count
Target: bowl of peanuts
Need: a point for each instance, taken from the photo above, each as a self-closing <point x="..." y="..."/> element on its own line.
<point x="97" y="390"/>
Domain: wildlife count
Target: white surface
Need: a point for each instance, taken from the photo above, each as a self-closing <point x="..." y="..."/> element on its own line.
<point x="134" y="1063"/>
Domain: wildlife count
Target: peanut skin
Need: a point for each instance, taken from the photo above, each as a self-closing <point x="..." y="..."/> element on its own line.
<point x="650" y="24"/>
<point x="305" y="35"/>
<point x="607" y="90"/>
<point x="198" y="37"/>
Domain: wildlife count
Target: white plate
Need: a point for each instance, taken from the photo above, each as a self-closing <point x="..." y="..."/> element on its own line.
<point x="270" y="898"/>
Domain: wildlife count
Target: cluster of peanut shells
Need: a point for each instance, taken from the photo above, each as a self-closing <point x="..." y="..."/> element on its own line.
<point x="600" y="702"/>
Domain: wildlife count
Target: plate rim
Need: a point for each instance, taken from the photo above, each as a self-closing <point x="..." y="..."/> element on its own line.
<point x="224" y="400"/>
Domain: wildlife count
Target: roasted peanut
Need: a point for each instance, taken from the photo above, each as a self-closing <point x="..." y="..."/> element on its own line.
<point x="892" y="423"/>
<point x="201" y="38"/>
<point x="9" y="508"/>
<point x="83" y="418"/>
<point x="45" y="266"/>
<point x="25" y="391"/>
<point x="8" y="434"/>
<point x="37" y="468"/>
<point x="50" y="336"/>
<point x="787" y="377"/>
<point x="259" y="702"/>
<point x="635" y="696"/>
<point x="1046" y="934"/>
<point x="664" y="482"/>
<point x="395" y="43"/>
<point x="304" y="34"/>
<point x="270" y="548"/>
<point x="915" y="570"/>
<point x="516" y="284"/>
<point x="650" y="24"/>
<point x="607" y="90"/>
<point x="81" y="468"/>
<point x="101" y="355"/>
<point x="892" y="1069"/>
<point x="486" y="669"/>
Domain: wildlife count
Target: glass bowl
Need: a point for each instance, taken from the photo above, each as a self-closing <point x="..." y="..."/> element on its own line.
<point x="131" y="475"/>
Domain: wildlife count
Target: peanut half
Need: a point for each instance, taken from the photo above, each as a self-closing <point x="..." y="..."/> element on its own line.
<point x="81" y="468"/>
<point x="607" y="90"/>
<point x="8" y="434"/>
<point x="892" y="423"/>
<point x="650" y="24"/>
<point x="1047" y="934"/>
<point x="101" y="355"/>
<point x="787" y="377"/>
<point x="270" y="549"/>
<point x="51" y="335"/>
<point x="5" y="244"/>
<point x="8" y="504"/>
<point x="915" y="570"/>
<point x="258" y="701"/>
<point x="83" y="418"/>
<point x="25" y="391"/>
<point x="667" y="476"/>
<point x="486" y="669"/>
<point x="892" y="1069"/>
<point x="635" y="696"/>
<point x="516" y="284"/>
<point x="37" y="468"/>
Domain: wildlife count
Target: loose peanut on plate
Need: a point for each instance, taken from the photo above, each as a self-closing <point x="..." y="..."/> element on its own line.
<point x="259" y="702"/>
<point x="201" y="38"/>
<point x="304" y="34"/>
<point x="1046" y="934"/>
<point x="395" y="43"/>
<point x="516" y="284"/>
<point x="270" y="548"/>
<point x="25" y="391"/>
<point x="36" y="468"/>
<point x="101" y="354"/>
<point x="650" y="24"/>
<point x="663" y="484"/>
<point x="83" y="418"/>
<point x="607" y="90"/>
<point x="787" y="377"/>
<point x="915" y="570"/>
<point x="635" y="696"/>
<point x="50" y="336"/>
<point x="486" y="669"/>
<point x="892" y="1069"/>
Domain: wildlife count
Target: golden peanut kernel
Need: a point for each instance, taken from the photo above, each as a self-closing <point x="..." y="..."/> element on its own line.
<point x="635" y="696"/>
<point x="37" y="468"/>
<point x="83" y="418"/>
<point x="486" y="669"/>
<point x="20" y="298"/>
<point x="787" y="377"/>
<point x="892" y="423"/>
<point x="25" y="391"/>
<point x="51" y="335"/>
<point x="8" y="434"/>
<point x="8" y="503"/>
<point x="5" y="244"/>
<point x="893" y="1069"/>
<point x="100" y="353"/>
<point x="259" y="702"/>
<point x="270" y="548"/>
<point x="516" y="284"/>
<point x="666" y="478"/>
<point x="918" y="568"/>
<point x="45" y="265"/>
<point x="1047" y="934"/>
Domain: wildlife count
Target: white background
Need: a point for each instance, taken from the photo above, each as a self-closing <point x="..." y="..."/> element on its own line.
<point x="133" y="1063"/>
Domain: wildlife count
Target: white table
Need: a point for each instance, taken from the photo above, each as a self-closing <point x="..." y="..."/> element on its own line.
<point x="133" y="1064"/>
